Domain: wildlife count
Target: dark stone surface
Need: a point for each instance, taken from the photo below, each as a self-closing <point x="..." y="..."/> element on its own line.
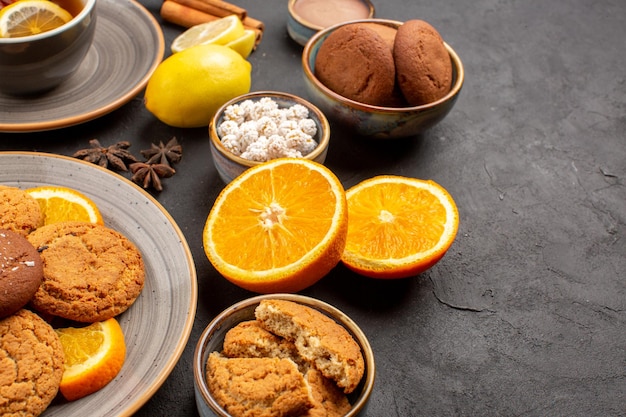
<point x="526" y="314"/>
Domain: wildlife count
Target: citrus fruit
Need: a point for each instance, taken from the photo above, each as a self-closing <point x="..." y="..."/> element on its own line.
<point x="219" y="32"/>
<point x="278" y="227"/>
<point x="244" y="45"/>
<point x="30" y="17"/>
<point x="60" y="204"/>
<point x="187" y="88"/>
<point x="94" y="355"/>
<point x="399" y="226"/>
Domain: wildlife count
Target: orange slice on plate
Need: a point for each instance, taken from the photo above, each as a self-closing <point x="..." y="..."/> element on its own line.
<point x="30" y="17"/>
<point x="59" y="204"/>
<point x="399" y="227"/>
<point x="94" y="355"/>
<point x="278" y="227"/>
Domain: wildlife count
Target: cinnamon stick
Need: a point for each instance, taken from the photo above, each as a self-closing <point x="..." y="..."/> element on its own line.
<point x="184" y="16"/>
<point x="218" y="8"/>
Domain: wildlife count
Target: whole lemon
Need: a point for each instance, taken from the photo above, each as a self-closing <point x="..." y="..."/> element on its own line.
<point x="187" y="88"/>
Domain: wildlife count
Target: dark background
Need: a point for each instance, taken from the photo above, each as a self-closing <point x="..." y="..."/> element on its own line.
<point x="526" y="314"/>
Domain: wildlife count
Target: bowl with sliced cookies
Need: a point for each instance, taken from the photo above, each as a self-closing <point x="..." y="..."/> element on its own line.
<point x="382" y="78"/>
<point x="283" y="354"/>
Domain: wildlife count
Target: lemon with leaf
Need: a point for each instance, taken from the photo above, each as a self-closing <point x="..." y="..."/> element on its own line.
<point x="187" y="88"/>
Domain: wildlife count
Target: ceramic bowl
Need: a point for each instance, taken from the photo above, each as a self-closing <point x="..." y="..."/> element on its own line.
<point x="213" y="336"/>
<point x="229" y="165"/>
<point x="36" y="63"/>
<point x="301" y="27"/>
<point x="377" y="121"/>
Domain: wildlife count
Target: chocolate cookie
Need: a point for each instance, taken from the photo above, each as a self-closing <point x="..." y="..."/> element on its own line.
<point x="31" y="364"/>
<point x="19" y="211"/>
<point x="423" y="66"/>
<point x="21" y="271"/>
<point x="90" y="272"/>
<point x="355" y="62"/>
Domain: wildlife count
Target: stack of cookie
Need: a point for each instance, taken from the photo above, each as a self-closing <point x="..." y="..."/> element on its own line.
<point x="82" y="272"/>
<point x="292" y="360"/>
<point x="375" y="64"/>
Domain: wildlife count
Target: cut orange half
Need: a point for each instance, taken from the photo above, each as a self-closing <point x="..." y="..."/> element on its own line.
<point x="94" y="355"/>
<point x="278" y="227"/>
<point x="30" y="17"/>
<point x="60" y="204"/>
<point x="399" y="227"/>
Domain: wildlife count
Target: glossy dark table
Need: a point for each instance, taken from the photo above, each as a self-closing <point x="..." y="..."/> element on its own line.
<point x="526" y="314"/>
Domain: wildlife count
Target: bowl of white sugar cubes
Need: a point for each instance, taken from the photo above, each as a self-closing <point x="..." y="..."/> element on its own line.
<point x="261" y="126"/>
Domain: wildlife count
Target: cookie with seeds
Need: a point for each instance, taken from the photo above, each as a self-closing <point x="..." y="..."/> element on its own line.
<point x="21" y="272"/>
<point x="19" y="211"/>
<point x="90" y="272"/>
<point x="31" y="364"/>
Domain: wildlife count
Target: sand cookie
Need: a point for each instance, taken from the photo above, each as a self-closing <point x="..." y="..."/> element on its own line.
<point x="91" y="272"/>
<point x="19" y="211"/>
<point x="249" y="339"/>
<point x="329" y="400"/>
<point x="318" y="338"/>
<point x="423" y="65"/>
<point x="355" y="62"/>
<point x="258" y="386"/>
<point x="21" y="271"/>
<point x="31" y="364"/>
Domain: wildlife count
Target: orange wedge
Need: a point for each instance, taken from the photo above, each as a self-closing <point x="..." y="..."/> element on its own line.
<point x="399" y="227"/>
<point x="60" y="204"/>
<point x="278" y="227"/>
<point x="94" y="355"/>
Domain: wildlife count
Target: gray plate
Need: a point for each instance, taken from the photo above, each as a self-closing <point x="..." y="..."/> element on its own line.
<point x="128" y="45"/>
<point x="157" y="326"/>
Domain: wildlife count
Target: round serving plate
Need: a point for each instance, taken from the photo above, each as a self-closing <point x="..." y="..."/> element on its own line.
<point x="157" y="326"/>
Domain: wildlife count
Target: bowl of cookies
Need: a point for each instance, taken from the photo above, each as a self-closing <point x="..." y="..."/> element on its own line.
<point x="382" y="78"/>
<point x="282" y="354"/>
<point x="260" y="126"/>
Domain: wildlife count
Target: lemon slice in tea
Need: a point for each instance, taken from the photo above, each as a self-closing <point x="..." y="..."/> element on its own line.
<point x="30" y="17"/>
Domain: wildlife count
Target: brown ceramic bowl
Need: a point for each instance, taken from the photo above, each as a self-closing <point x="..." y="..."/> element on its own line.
<point x="377" y="121"/>
<point x="213" y="336"/>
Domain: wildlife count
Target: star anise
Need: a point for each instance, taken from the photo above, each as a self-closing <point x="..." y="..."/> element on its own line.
<point x="149" y="175"/>
<point x="164" y="154"/>
<point x="115" y="156"/>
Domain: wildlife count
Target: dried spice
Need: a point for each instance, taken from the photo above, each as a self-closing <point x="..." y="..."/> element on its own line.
<point x="115" y="156"/>
<point x="168" y="154"/>
<point x="149" y="175"/>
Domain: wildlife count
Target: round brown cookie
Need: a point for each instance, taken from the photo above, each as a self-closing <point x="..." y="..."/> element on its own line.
<point x="423" y="66"/>
<point x="355" y="62"/>
<point x="90" y="272"/>
<point x="258" y="386"/>
<point x="31" y="364"/>
<point x="19" y="211"/>
<point x="21" y="271"/>
<point x="318" y="338"/>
